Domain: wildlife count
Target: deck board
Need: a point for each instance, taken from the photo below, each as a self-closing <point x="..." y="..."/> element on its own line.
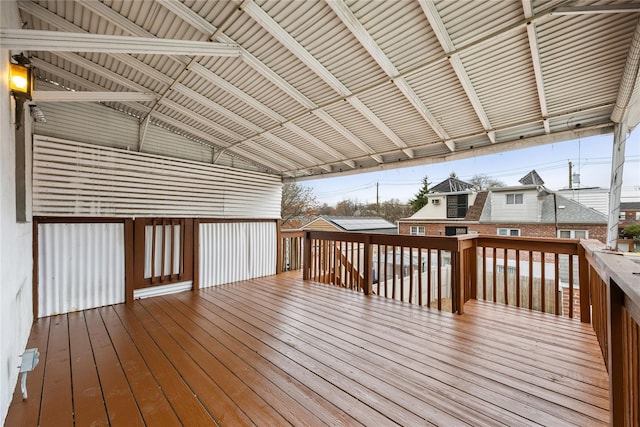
<point x="282" y="351"/>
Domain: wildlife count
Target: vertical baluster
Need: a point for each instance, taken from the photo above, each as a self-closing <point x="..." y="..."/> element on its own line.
<point x="542" y="282"/>
<point x="505" y="275"/>
<point x="393" y="280"/>
<point x="386" y="272"/>
<point x="429" y="277"/>
<point x="153" y="250"/>
<point x="484" y="273"/>
<point x="401" y="273"/>
<point x="495" y="275"/>
<point x="411" y="300"/>
<point x="556" y="283"/>
<point x="420" y="276"/>
<point x="352" y="279"/>
<point x="571" y="286"/>
<point x="517" y="278"/>
<point x="378" y="271"/>
<point x="530" y="280"/>
<point x="440" y="279"/>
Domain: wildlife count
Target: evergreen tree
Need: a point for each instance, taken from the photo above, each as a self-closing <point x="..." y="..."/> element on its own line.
<point x="421" y="196"/>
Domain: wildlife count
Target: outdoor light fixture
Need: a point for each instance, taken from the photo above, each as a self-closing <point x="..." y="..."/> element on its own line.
<point x="20" y="83"/>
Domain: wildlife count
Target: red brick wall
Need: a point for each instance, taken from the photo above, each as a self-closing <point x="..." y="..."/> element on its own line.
<point x="576" y="303"/>
<point x="598" y="232"/>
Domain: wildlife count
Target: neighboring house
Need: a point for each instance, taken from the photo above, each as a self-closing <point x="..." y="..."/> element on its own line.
<point x="352" y="224"/>
<point x="629" y="213"/>
<point x="591" y="197"/>
<point x="526" y="210"/>
<point x="452" y="200"/>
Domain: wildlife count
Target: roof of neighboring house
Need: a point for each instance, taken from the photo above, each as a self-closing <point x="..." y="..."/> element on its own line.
<point x="450" y="185"/>
<point x="571" y="212"/>
<point x="532" y="178"/>
<point x="359" y="224"/>
<point x="568" y="212"/>
<point x="630" y="206"/>
<point x="475" y="210"/>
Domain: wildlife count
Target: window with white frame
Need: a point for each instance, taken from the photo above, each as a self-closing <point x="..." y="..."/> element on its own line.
<point x="508" y="231"/>
<point x="417" y="230"/>
<point x="514" y="199"/>
<point x="573" y="234"/>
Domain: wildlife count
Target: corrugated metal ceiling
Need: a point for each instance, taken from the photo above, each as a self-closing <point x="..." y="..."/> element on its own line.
<point x="321" y="88"/>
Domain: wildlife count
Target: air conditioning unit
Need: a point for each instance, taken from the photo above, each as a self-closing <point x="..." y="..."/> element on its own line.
<point x="435" y="201"/>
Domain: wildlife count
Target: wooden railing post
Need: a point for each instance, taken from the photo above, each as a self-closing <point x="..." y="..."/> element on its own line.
<point x="473" y="271"/>
<point x="583" y="280"/>
<point x="615" y="302"/>
<point x="279" y="247"/>
<point x="367" y="286"/>
<point x="457" y="279"/>
<point x="306" y="261"/>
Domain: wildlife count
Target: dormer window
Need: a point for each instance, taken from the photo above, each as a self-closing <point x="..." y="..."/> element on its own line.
<point x="514" y="199"/>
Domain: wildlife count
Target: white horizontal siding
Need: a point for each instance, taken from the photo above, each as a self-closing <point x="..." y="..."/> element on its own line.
<point x="77" y="179"/>
<point x="80" y="266"/>
<point x="230" y="252"/>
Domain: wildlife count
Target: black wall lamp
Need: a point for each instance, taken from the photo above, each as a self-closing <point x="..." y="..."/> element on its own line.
<point x="20" y="83"/>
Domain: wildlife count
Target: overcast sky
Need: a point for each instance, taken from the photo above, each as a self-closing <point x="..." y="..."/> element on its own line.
<point x="591" y="158"/>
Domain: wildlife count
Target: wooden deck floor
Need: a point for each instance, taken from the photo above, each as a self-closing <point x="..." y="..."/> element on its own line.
<point x="280" y="351"/>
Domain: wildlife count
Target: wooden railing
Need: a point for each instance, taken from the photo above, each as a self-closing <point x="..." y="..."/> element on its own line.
<point x="414" y="269"/>
<point x="290" y="250"/>
<point x="614" y="284"/>
<point x="532" y="273"/>
<point x="600" y="287"/>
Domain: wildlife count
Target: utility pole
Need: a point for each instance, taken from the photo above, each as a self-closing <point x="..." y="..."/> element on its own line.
<point x="378" y="197"/>
<point x="570" y="175"/>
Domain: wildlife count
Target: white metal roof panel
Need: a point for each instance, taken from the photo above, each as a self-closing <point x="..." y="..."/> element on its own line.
<point x="468" y="81"/>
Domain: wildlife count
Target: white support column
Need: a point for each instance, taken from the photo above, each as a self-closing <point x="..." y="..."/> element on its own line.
<point x="617" y="164"/>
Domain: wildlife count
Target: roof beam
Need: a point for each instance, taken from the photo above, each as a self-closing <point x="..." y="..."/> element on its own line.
<point x="537" y="67"/>
<point x="87" y="96"/>
<point x="438" y="27"/>
<point x="215" y="144"/>
<point x="366" y="40"/>
<point x="607" y="8"/>
<point x="39" y="64"/>
<point x="269" y="24"/>
<point x="58" y="41"/>
<point x="198" y="22"/>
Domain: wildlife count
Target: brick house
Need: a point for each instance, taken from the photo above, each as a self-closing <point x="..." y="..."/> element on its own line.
<point x="528" y="210"/>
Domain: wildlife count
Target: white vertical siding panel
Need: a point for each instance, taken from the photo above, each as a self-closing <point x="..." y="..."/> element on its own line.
<point x="80" y="266"/>
<point x="235" y="251"/>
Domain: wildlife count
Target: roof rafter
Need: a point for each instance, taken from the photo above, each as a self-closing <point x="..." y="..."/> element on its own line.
<point x="537" y="66"/>
<point x="194" y="66"/>
<point x="271" y="26"/>
<point x="198" y="22"/>
<point x="431" y="12"/>
<point x="91" y="96"/>
<point x="366" y="40"/>
<point x="59" y="41"/>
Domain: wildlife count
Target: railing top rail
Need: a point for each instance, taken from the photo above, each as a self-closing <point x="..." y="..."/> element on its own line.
<point x="535" y="244"/>
<point x="449" y="243"/>
<point x="615" y="266"/>
<point x="292" y="233"/>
